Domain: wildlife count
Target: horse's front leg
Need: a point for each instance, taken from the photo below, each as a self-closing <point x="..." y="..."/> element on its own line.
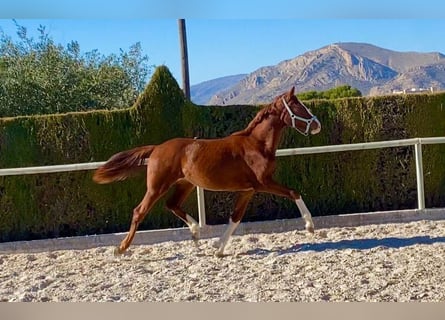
<point x="280" y="190"/>
<point x="306" y="214"/>
<point x="235" y="219"/>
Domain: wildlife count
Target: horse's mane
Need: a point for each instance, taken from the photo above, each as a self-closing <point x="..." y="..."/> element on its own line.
<point x="265" y="111"/>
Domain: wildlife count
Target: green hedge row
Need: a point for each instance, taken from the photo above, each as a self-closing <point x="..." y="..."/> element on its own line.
<point x="68" y="204"/>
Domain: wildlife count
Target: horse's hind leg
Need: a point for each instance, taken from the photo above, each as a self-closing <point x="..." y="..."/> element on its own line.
<point x="139" y="214"/>
<point x="279" y="190"/>
<point x="182" y="190"/>
<point x="305" y="213"/>
<point x="235" y="219"/>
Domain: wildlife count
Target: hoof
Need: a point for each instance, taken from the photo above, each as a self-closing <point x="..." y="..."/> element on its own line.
<point x="118" y="252"/>
<point x="196" y="234"/>
<point x="310" y="229"/>
<point x="216" y="244"/>
<point x="195" y="238"/>
<point x="219" y="254"/>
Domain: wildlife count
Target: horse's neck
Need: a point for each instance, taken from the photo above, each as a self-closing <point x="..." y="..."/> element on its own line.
<point x="268" y="133"/>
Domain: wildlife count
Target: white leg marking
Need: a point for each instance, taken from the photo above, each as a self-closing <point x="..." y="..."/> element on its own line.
<point x="193" y="226"/>
<point x="221" y="244"/>
<point x="305" y="214"/>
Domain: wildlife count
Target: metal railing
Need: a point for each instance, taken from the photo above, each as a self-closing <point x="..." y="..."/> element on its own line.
<point x="416" y="142"/>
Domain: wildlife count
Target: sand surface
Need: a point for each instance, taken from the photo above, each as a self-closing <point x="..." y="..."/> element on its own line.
<point x="392" y="262"/>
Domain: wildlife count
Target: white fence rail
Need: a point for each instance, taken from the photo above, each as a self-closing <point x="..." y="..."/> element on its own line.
<point x="416" y="142"/>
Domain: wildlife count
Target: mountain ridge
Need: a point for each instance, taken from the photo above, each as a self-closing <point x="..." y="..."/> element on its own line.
<point x="371" y="69"/>
<point x="202" y="92"/>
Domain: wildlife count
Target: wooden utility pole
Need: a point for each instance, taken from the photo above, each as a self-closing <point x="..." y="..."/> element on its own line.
<point x="184" y="58"/>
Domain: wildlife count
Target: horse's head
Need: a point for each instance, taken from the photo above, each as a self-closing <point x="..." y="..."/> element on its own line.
<point x="296" y="115"/>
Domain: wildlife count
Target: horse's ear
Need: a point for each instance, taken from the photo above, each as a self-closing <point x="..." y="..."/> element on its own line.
<point x="291" y="92"/>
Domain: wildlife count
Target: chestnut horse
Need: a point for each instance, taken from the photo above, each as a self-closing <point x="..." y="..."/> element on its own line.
<point x="243" y="162"/>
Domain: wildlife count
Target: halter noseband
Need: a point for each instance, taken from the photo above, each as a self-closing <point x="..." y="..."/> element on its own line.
<point x="294" y="117"/>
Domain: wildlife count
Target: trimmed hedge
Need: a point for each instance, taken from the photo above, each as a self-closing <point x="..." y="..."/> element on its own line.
<point x="67" y="204"/>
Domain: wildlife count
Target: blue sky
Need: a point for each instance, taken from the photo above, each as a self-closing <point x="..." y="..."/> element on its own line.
<point x="221" y="42"/>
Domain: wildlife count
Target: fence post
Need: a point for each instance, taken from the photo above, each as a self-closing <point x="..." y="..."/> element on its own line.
<point x="419" y="176"/>
<point x="201" y="207"/>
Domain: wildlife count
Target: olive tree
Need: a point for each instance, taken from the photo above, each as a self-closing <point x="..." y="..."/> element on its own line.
<point x="38" y="76"/>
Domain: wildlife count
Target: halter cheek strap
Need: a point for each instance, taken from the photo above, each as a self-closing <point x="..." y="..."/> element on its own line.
<point x="294" y="117"/>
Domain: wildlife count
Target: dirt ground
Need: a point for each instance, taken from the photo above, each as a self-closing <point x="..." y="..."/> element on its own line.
<point x="392" y="262"/>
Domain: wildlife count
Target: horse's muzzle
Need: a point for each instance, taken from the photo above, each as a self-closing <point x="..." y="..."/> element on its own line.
<point x="315" y="126"/>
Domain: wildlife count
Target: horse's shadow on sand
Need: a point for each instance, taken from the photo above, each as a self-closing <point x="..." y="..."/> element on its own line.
<point x="358" y="244"/>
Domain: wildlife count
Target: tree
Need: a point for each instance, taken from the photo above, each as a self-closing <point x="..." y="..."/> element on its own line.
<point x="41" y="77"/>
<point x="345" y="91"/>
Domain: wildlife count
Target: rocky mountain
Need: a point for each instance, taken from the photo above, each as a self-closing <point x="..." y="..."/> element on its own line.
<point x="371" y="69"/>
<point x="202" y="92"/>
<point x="398" y="61"/>
<point x="426" y="77"/>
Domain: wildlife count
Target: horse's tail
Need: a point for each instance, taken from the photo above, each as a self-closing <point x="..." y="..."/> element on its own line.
<point x="123" y="165"/>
